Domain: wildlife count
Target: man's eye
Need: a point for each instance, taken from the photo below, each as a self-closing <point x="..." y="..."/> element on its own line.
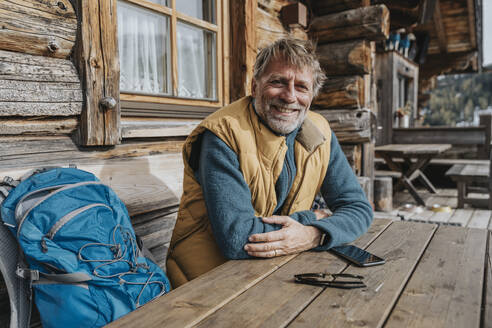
<point x="275" y="82"/>
<point x="302" y="87"/>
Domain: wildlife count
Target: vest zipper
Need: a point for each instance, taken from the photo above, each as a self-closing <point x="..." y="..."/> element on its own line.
<point x="64" y="220"/>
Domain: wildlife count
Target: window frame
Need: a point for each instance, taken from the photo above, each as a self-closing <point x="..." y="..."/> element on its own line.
<point x="222" y="57"/>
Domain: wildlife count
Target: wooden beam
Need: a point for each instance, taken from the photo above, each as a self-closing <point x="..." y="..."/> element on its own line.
<point x="326" y="7"/>
<point x="439" y="28"/>
<point x="371" y="23"/>
<point x="96" y="54"/>
<point x="342" y="92"/>
<point x="52" y="126"/>
<point x="43" y="28"/>
<point x="470" y="6"/>
<point x="427" y="10"/>
<point x="350" y="126"/>
<point x="243" y="46"/>
<point x="344" y="58"/>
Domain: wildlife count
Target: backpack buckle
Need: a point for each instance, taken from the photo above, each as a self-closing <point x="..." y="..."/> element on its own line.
<point x="27" y="274"/>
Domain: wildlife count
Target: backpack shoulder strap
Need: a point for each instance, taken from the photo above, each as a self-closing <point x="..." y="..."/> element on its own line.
<point x="19" y="290"/>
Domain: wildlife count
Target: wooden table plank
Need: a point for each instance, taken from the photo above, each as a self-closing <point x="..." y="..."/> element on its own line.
<point x="446" y="287"/>
<point x="402" y="245"/>
<point x="461" y="216"/>
<point x="194" y="301"/>
<point x="487" y="316"/>
<point x="480" y="219"/>
<point x="276" y="300"/>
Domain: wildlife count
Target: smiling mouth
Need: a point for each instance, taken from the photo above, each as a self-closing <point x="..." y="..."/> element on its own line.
<point x="284" y="110"/>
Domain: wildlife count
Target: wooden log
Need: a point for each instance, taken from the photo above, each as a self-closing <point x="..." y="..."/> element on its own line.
<point x="37" y="86"/>
<point x="243" y="46"/>
<point x="52" y="126"/>
<point x="365" y="183"/>
<point x="326" y="7"/>
<point x="370" y="23"/>
<point x="353" y="152"/>
<point x="345" y="58"/>
<point x="45" y="28"/>
<point x="350" y="126"/>
<point x="383" y="194"/>
<point x="96" y="53"/>
<point x="342" y="92"/>
<point x="269" y="28"/>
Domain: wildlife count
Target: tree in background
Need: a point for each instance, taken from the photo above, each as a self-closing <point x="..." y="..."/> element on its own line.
<point x="456" y="98"/>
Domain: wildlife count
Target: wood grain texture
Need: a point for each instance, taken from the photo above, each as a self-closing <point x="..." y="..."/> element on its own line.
<point x="276" y="300"/>
<point x="325" y="7"/>
<point x="487" y="301"/>
<point x="243" y="46"/>
<point x="192" y="302"/>
<point x="402" y="245"/>
<point x="38" y="86"/>
<point x="50" y="126"/>
<point x="96" y="53"/>
<point x="44" y="28"/>
<point x="351" y="126"/>
<point x="345" y="58"/>
<point x="342" y="92"/>
<point x="371" y="23"/>
<point x="446" y="288"/>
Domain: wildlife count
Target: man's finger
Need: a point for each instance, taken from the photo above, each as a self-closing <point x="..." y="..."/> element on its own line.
<point x="267" y="236"/>
<point x="277" y="219"/>
<point x="266" y="254"/>
<point x="263" y="247"/>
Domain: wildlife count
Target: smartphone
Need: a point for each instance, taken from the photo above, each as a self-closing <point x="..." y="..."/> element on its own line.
<point x="357" y="256"/>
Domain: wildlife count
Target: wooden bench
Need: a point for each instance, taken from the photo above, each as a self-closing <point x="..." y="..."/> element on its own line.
<point x="472" y="178"/>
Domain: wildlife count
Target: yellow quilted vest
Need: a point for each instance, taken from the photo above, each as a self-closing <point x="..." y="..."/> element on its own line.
<point x="193" y="250"/>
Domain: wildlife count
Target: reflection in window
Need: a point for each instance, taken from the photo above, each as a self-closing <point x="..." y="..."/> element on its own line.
<point x="196" y="62"/>
<point x="143" y="40"/>
<point x="201" y="9"/>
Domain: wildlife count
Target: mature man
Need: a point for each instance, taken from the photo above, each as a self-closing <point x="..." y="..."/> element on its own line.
<point x="253" y="169"/>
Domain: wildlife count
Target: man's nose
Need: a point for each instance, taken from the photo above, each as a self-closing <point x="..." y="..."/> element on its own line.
<point x="289" y="93"/>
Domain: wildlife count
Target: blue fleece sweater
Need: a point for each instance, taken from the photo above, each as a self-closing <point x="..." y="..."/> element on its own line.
<point x="231" y="214"/>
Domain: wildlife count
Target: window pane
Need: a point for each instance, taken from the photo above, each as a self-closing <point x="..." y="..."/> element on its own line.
<point x="143" y="39"/>
<point x="196" y="62"/>
<point x="201" y="9"/>
<point x="161" y="2"/>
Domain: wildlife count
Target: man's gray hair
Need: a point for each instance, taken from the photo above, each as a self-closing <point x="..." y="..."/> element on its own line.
<point x="299" y="53"/>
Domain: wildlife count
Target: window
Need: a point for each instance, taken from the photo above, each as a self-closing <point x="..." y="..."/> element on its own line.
<point x="171" y="52"/>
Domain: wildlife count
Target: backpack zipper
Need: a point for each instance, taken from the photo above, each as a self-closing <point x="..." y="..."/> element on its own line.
<point x="65" y="187"/>
<point x="64" y="220"/>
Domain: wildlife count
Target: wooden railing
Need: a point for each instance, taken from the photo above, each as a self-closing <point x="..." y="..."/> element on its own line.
<point x="474" y="135"/>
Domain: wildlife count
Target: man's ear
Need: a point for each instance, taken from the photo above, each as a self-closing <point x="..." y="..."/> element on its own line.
<point x="253" y="88"/>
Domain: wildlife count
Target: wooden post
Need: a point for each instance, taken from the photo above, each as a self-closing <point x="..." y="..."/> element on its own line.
<point x="96" y="55"/>
<point x="484" y="150"/>
<point x="383" y="194"/>
<point x="243" y="46"/>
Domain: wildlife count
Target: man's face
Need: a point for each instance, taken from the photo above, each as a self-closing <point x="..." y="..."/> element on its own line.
<point x="283" y="95"/>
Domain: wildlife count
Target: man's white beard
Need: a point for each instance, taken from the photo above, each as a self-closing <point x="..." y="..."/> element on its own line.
<point x="278" y="124"/>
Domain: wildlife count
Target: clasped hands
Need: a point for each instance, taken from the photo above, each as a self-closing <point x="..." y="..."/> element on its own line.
<point x="293" y="237"/>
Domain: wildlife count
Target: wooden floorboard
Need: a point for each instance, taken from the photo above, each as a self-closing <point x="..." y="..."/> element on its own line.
<point x="404" y="206"/>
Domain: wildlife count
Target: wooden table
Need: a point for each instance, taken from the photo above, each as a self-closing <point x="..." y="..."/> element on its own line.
<point x="434" y="276"/>
<point x="415" y="158"/>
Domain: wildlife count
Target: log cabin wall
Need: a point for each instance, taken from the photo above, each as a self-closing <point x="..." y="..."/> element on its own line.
<point x="346" y="32"/>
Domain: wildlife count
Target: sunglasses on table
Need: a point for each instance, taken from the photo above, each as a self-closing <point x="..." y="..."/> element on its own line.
<point x="334" y="280"/>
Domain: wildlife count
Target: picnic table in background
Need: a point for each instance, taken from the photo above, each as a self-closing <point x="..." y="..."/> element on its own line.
<point x="434" y="276"/>
<point x="415" y="158"/>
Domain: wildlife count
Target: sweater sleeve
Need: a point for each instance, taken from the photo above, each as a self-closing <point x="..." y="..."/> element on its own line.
<point x="227" y="198"/>
<point x="352" y="213"/>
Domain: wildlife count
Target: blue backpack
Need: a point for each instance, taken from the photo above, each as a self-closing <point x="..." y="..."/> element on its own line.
<point x="82" y="255"/>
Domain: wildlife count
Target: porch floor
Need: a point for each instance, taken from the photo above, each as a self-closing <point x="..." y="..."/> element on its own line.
<point x="406" y="208"/>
